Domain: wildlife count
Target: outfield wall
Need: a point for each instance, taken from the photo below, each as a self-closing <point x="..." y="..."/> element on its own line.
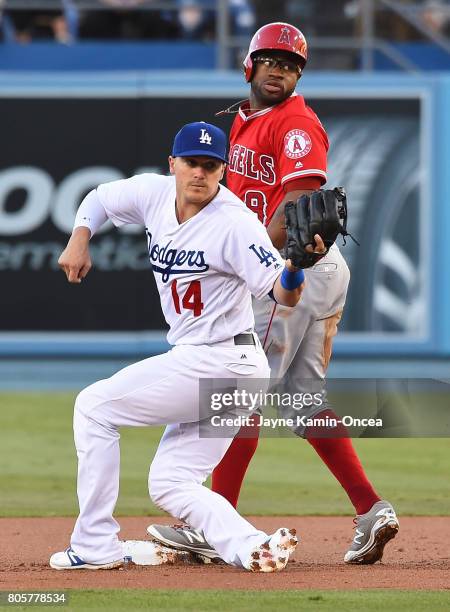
<point x="64" y="134"/>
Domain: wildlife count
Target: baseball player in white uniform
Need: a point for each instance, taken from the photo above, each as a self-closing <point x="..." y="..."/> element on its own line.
<point x="209" y="253"/>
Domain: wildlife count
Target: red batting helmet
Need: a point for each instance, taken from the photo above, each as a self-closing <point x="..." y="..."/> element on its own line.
<point x="278" y="35"/>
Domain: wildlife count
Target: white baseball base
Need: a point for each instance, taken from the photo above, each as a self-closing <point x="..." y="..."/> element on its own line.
<point x="144" y="552"/>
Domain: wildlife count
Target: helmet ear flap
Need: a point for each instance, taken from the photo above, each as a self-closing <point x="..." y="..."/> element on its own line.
<point x="249" y="68"/>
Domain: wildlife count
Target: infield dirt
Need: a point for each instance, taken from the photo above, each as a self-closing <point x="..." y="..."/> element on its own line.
<point x="415" y="559"/>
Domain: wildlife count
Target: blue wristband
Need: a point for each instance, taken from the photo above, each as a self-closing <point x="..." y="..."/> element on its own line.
<point x="291" y="280"/>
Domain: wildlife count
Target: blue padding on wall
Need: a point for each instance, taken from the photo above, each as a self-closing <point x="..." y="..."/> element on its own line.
<point x="426" y="56"/>
<point x="442" y="203"/>
<point x="108" y="56"/>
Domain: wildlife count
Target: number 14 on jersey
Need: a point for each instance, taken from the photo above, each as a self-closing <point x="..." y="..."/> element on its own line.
<point x="191" y="300"/>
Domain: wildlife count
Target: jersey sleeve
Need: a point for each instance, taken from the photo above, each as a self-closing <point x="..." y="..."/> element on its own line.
<point x="251" y="255"/>
<point x="125" y="200"/>
<point x="301" y="146"/>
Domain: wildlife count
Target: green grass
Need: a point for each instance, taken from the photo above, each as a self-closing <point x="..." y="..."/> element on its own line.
<point x="38" y="468"/>
<point x="248" y="601"/>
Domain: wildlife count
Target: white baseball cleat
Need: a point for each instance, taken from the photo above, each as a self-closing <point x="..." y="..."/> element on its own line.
<point x="373" y="531"/>
<point x="68" y="560"/>
<point x="273" y="555"/>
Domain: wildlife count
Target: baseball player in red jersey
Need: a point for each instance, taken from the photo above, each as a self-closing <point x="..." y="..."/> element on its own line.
<point x="278" y="151"/>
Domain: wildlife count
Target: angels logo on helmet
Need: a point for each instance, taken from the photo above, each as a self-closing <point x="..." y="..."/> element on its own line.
<point x="284" y="36"/>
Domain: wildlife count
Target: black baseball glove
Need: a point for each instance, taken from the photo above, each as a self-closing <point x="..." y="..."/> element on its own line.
<point x="323" y="212"/>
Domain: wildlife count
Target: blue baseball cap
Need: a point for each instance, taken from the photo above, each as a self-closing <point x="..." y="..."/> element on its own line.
<point x="200" y="138"/>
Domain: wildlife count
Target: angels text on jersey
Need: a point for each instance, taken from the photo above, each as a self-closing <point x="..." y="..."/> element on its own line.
<point x="253" y="165"/>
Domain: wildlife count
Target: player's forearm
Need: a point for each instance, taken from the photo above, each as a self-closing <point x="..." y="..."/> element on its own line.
<point x="80" y="238"/>
<point x="75" y="260"/>
<point x="276" y="228"/>
<point x="288" y="287"/>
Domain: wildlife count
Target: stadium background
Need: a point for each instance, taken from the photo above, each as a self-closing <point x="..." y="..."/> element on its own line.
<point x="76" y="111"/>
<point x="66" y="126"/>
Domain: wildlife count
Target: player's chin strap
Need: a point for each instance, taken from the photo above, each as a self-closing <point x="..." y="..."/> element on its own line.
<point x="234" y="108"/>
<point x="342" y="198"/>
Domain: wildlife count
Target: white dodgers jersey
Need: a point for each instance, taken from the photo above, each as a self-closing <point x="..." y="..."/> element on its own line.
<point x="205" y="268"/>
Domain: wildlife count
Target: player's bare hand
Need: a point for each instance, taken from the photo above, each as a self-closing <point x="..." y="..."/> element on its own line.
<point x="75" y="260"/>
<point x="319" y="247"/>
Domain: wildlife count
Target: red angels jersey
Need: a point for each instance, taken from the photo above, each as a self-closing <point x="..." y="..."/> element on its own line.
<point x="271" y="147"/>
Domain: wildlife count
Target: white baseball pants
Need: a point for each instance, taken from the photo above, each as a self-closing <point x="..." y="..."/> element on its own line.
<point x="160" y="390"/>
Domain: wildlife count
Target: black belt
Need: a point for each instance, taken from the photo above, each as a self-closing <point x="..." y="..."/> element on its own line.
<point x="246" y="338"/>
